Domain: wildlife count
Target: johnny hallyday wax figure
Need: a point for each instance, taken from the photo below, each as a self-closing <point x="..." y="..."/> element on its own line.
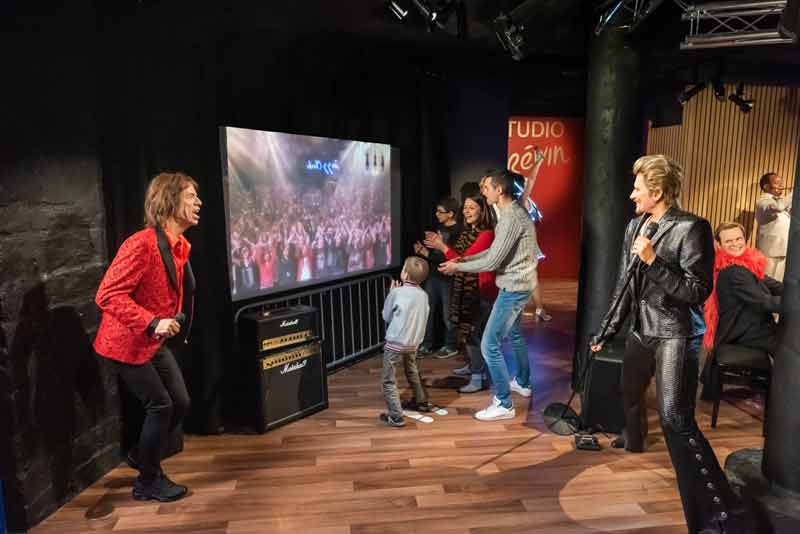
<point x="672" y="276"/>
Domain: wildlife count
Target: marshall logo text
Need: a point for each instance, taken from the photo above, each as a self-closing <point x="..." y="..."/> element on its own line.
<point x="289" y="367"/>
<point x="293" y="322"/>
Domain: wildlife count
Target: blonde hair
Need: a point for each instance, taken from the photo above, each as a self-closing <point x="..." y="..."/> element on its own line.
<point x="728" y="226"/>
<point x="416" y="268"/>
<point x="661" y="174"/>
<point x="164" y="196"/>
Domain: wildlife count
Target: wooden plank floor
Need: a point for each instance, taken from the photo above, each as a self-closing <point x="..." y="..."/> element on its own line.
<point x="342" y="472"/>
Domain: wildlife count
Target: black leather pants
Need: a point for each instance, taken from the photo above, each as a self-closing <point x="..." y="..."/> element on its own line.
<point x="708" y="501"/>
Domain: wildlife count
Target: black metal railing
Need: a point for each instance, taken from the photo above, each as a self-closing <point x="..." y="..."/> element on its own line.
<point x="350" y="315"/>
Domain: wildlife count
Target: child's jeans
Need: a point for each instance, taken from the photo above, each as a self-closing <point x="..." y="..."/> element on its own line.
<point x="389" y="381"/>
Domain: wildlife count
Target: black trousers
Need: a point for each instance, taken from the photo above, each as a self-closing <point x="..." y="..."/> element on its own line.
<point x="159" y="386"/>
<point x="708" y="501"/>
<point x="480" y="315"/>
<point x="438" y="289"/>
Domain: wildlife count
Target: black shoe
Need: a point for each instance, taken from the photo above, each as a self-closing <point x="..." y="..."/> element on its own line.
<point x="618" y="443"/>
<point x="417" y="406"/>
<point x="391" y="420"/>
<point x="162" y="489"/>
<point x="423" y="351"/>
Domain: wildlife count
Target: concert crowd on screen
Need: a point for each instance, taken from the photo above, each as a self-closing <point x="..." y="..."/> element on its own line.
<point x="280" y="237"/>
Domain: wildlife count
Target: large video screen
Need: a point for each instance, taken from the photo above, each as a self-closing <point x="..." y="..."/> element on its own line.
<point x="303" y="210"/>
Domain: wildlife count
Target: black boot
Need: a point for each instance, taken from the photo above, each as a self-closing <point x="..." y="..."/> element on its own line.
<point x="161" y="489"/>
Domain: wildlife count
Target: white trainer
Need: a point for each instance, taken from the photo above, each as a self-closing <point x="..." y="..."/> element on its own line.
<point x="495" y="412"/>
<point x="516" y="388"/>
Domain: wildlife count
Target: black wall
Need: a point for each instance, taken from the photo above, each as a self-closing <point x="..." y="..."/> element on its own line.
<point x="59" y="415"/>
<point x="477" y="124"/>
<point x="481" y="98"/>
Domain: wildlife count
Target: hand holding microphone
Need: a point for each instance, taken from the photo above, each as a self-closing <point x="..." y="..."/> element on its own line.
<point x="167" y="328"/>
<point x="643" y="247"/>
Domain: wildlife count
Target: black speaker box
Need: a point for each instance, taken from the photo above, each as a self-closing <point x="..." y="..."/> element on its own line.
<point x="601" y="400"/>
<point x="269" y="330"/>
<point x="291" y="384"/>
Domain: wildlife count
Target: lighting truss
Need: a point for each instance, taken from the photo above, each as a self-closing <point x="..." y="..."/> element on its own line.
<point x="711" y="25"/>
<point x="625" y="14"/>
<point x="729" y="24"/>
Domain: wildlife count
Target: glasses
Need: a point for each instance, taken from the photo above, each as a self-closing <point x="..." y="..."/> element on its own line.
<point x="440" y="211"/>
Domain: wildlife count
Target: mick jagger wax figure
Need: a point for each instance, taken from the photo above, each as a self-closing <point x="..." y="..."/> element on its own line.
<point x="141" y="297"/>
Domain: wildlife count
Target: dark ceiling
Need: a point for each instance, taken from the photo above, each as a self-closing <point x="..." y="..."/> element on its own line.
<point x="557" y="32"/>
<point x="556" y="29"/>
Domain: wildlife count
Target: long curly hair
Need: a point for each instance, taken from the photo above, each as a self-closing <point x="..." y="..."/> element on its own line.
<point x="164" y="196"/>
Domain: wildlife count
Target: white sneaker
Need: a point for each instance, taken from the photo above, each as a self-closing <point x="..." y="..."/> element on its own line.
<point x="495" y="412"/>
<point x="516" y="388"/>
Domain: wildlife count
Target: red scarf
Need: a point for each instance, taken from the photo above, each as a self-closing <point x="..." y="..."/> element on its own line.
<point x="752" y="260"/>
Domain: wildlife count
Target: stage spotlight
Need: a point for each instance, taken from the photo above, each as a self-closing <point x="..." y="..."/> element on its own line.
<point x="510" y="36"/>
<point x="719" y="88"/>
<point x="738" y="98"/>
<point x="397" y="10"/>
<point x="687" y="94"/>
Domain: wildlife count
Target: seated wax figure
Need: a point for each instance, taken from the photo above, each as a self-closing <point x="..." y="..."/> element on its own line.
<point x="741" y="307"/>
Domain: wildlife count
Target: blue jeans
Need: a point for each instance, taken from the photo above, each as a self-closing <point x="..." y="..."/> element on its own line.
<point x="504" y="321"/>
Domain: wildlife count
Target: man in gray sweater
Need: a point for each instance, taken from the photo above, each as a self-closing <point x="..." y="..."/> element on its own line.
<point x="513" y="256"/>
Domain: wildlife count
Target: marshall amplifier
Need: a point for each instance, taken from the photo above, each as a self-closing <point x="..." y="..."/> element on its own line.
<point x="292" y="384"/>
<point x="266" y="331"/>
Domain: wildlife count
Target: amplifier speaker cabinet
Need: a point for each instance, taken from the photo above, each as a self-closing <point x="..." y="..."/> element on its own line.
<point x="266" y="331"/>
<point x="291" y="384"/>
<point x="601" y="401"/>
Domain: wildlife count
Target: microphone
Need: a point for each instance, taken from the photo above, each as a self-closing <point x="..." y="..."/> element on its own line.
<point x="649" y="231"/>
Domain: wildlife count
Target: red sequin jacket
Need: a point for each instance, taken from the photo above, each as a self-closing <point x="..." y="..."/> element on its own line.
<point x="141" y="284"/>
